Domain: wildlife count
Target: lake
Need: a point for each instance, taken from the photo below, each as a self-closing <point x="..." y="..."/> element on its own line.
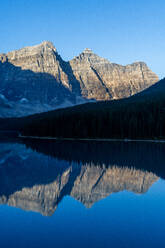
<point x="81" y="194"/>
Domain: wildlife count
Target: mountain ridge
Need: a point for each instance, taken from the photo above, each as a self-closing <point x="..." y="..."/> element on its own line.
<point x="38" y="73"/>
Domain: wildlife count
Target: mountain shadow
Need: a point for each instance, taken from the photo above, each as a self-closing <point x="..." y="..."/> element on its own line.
<point x="34" y="86"/>
<point x="74" y="84"/>
<point x="138" y="117"/>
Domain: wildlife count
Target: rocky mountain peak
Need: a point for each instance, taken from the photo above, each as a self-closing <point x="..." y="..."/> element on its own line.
<point x="38" y="73"/>
<point x="45" y="46"/>
<point x="87" y="51"/>
<point x="89" y="57"/>
<point x="29" y="51"/>
<point x="48" y="44"/>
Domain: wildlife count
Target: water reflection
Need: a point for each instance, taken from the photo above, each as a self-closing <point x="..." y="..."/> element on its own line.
<point x="36" y="175"/>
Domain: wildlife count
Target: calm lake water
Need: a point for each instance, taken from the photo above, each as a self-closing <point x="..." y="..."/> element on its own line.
<point x="82" y="194"/>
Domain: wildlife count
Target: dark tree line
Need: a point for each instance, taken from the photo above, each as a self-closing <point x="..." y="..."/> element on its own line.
<point x="139" y="117"/>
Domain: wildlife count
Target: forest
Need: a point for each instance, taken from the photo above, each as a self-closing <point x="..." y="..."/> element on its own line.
<point x="139" y="117"/>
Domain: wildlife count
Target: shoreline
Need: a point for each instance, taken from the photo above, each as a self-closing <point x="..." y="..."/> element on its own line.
<point x="92" y="139"/>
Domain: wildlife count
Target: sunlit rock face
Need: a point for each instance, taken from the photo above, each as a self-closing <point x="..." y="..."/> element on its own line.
<point x="35" y="182"/>
<point x="40" y="58"/>
<point x="36" y="79"/>
<point x="103" y="80"/>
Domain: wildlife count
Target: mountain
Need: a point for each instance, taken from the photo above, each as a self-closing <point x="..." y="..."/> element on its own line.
<point x="36" y="79"/>
<point x="102" y="80"/>
<point x="38" y="182"/>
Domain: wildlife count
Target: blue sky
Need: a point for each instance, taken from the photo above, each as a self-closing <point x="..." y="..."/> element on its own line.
<point x="122" y="31"/>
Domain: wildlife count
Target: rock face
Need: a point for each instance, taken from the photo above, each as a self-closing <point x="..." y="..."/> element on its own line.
<point x="36" y="79"/>
<point x="33" y="181"/>
<point x="102" y="80"/>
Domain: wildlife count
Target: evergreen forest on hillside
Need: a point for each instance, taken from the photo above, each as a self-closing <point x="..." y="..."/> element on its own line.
<point x="139" y="117"/>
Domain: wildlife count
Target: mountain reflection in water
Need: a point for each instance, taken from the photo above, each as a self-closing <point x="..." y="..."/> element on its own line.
<point x="37" y="175"/>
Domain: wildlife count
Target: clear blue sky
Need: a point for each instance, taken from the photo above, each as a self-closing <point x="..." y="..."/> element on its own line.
<point x="122" y="31"/>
